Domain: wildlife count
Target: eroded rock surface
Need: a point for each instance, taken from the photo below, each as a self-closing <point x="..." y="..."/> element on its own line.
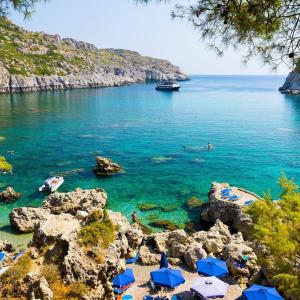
<point x="106" y="167"/>
<point x="9" y="195"/>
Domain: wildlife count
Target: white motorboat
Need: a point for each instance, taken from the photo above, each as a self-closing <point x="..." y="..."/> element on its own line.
<point x="52" y="184"/>
<point x="167" y="85"/>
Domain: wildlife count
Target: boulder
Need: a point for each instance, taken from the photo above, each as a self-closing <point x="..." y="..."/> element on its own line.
<point x="148" y="256"/>
<point x="194" y="251"/>
<point x="6" y="246"/>
<point x="217" y="236"/>
<point x="40" y="290"/>
<point x="161" y="241"/>
<point x="200" y="236"/>
<point x="55" y="228"/>
<point x="240" y="258"/>
<point x="105" y="166"/>
<point x="25" y="219"/>
<point x="9" y="195"/>
<point x="72" y="202"/>
<point x="177" y="250"/>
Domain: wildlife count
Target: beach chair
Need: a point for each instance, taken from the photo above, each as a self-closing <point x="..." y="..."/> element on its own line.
<point x="132" y="260"/>
<point x="233" y="197"/>
<point x="248" y="202"/>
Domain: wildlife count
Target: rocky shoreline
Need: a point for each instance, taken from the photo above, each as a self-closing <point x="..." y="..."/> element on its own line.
<point x="58" y="226"/>
<point x="37" y="61"/>
<point x="106" y="78"/>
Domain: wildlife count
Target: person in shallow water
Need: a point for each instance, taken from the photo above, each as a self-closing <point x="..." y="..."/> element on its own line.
<point x="209" y="146"/>
<point x="134" y="217"/>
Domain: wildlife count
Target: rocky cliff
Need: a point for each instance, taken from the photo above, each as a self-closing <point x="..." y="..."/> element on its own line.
<point x="291" y="84"/>
<point x="36" y="61"/>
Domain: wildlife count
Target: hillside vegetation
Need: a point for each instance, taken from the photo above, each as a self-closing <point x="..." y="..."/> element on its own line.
<point x="34" y="53"/>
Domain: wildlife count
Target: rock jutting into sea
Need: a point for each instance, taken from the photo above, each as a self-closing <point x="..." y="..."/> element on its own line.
<point x="43" y="62"/>
<point x="9" y="195"/>
<point x="106" y="167"/>
<point x="291" y="84"/>
<point x="229" y="211"/>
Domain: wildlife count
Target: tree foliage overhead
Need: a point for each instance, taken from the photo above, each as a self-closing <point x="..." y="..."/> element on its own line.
<point x="268" y="28"/>
<point x="23" y="6"/>
<point x="277" y="228"/>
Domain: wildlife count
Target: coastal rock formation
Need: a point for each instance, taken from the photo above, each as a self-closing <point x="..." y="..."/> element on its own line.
<point x="56" y="226"/>
<point x="78" y="200"/>
<point x="6" y="246"/>
<point x="228" y="212"/>
<point x="43" y="62"/>
<point x="106" y="167"/>
<point x="291" y="84"/>
<point x="25" y="219"/>
<point x="9" y="195"/>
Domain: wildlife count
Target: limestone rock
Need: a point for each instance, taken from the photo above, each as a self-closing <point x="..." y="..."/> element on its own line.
<point x="25" y="219"/>
<point x="149" y="257"/>
<point x="217" y="237"/>
<point x="40" y="290"/>
<point x="105" y="166"/>
<point x="234" y="254"/>
<point x="177" y="250"/>
<point x="194" y="252"/>
<point x="6" y="246"/>
<point x="56" y="227"/>
<point x="4" y="80"/>
<point x="161" y="241"/>
<point x="9" y="195"/>
<point x="229" y="213"/>
<point x="72" y="202"/>
<point x="291" y="84"/>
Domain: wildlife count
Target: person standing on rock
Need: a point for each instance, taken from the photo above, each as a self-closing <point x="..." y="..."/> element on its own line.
<point x="134" y="217"/>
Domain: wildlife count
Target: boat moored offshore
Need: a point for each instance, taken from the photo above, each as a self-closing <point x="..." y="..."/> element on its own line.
<point x="52" y="184"/>
<point x="167" y="85"/>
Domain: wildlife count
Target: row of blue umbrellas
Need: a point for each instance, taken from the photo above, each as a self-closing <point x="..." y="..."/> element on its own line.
<point x="203" y="286"/>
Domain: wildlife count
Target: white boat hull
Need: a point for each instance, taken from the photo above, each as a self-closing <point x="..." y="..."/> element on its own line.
<point x="52" y="184"/>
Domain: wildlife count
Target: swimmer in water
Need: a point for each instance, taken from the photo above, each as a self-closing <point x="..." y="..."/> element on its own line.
<point x="209" y="146"/>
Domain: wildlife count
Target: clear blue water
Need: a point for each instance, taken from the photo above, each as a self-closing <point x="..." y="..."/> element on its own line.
<point x="255" y="131"/>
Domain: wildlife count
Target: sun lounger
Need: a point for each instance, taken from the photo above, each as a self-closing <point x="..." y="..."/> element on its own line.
<point x="248" y="202"/>
<point x="227" y="190"/>
<point x="233" y="197"/>
<point x="132" y="260"/>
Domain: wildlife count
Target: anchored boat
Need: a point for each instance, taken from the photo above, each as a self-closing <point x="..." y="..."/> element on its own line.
<point x="167" y="85"/>
<point x="52" y="184"/>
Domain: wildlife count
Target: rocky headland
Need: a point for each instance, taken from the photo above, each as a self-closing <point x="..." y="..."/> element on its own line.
<point x="291" y="84"/>
<point x="78" y="247"/>
<point x="36" y="61"/>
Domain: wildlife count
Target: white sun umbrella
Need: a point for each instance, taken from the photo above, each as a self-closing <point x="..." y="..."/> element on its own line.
<point x="209" y="287"/>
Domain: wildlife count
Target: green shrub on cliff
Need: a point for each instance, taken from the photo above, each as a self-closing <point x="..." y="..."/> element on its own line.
<point x="277" y="227"/>
<point x="100" y="233"/>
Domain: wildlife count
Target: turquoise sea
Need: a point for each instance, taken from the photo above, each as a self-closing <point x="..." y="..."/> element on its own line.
<point x="254" y="129"/>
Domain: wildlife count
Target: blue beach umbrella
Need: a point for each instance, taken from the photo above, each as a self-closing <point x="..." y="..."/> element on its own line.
<point x="259" y="292"/>
<point x="167" y="277"/>
<point x="124" y="279"/>
<point x="163" y="261"/>
<point x="211" y="266"/>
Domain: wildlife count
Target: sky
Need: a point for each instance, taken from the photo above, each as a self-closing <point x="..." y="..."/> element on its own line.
<point x="148" y="29"/>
